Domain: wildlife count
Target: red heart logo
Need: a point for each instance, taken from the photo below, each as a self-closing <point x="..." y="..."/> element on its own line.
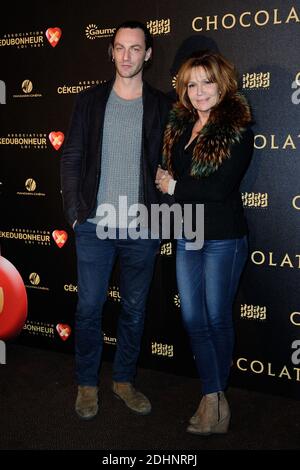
<point x="60" y="237"/>
<point x="63" y="330"/>
<point x="56" y="139"/>
<point x="53" y="35"/>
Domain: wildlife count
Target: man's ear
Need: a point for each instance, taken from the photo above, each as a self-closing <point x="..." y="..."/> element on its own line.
<point x="148" y="54"/>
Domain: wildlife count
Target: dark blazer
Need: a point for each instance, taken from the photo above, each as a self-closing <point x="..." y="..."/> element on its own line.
<point x="81" y="158"/>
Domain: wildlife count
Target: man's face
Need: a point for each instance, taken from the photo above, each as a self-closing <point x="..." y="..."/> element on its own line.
<point x="129" y="52"/>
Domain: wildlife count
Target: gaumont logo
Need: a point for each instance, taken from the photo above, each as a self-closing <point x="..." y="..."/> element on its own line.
<point x="246" y="19"/>
<point x="53" y="35"/>
<point x="27" y="88"/>
<point x="35" y="281"/>
<point x="63" y="331"/>
<point x="60" y="237"/>
<point x="13" y="300"/>
<point x="30" y="186"/>
<point x="92" y="31"/>
<point x="32" y="39"/>
<point x="56" y="138"/>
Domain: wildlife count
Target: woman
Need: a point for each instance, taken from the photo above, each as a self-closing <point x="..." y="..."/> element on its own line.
<point x="208" y="144"/>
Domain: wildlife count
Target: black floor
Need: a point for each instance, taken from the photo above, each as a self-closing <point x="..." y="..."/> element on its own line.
<point x="37" y="396"/>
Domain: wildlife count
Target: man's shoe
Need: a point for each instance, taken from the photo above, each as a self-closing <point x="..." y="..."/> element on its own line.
<point x="86" y="405"/>
<point x="135" y="400"/>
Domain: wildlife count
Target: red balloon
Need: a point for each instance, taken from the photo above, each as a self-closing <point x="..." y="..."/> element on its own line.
<point x="13" y="300"/>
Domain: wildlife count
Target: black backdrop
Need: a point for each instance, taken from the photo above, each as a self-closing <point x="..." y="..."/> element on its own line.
<point x="50" y="51"/>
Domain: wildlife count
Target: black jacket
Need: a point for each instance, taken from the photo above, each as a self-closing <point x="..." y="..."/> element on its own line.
<point x="81" y="158"/>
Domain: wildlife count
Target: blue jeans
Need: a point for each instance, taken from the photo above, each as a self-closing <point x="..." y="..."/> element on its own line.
<point x="95" y="261"/>
<point x="207" y="281"/>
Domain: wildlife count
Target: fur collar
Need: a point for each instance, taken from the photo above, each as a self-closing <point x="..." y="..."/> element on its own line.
<point x="213" y="144"/>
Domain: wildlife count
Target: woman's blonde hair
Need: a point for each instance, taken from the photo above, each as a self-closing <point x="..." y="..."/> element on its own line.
<point x="219" y="70"/>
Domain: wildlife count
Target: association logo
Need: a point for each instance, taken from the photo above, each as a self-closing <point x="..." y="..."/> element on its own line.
<point x="13" y="300"/>
<point x="63" y="330"/>
<point x="29" y="141"/>
<point x="39" y="328"/>
<point x="113" y="294"/>
<point x="77" y="88"/>
<point x="53" y="35"/>
<point x="56" y="138"/>
<point x="28" y="236"/>
<point x="60" y="237"/>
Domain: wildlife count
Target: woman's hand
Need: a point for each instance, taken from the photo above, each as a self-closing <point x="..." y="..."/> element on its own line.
<point x="162" y="180"/>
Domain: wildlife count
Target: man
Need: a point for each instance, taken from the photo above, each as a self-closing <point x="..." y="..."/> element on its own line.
<point x="113" y="149"/>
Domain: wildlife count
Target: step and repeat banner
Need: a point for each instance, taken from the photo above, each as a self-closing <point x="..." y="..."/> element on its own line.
<point x="49" y="52"/>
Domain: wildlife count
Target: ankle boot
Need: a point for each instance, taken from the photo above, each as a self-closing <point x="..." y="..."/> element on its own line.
<point x="198" y="412"/>
<point x="212" y="417"/>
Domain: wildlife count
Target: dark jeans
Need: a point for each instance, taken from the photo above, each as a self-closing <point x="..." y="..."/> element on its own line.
<point x="95" y="260"/>
<point x="207" y="281"/>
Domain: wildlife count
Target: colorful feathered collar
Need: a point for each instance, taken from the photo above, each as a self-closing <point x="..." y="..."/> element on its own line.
<point x="213" y="144"/>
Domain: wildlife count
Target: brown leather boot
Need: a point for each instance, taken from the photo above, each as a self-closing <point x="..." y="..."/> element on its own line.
<point x="135" y="400"/>
<point x="212" y="416"/>
<point x="86" y="405"/>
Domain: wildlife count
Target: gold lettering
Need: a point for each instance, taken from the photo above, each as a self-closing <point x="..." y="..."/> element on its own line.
<point x="286" y="260"/>
<point x="294" y="202"/>
<point x="289" y="141"/>
<point x="271" y="259"/>
<point x="232" y="24"/>
<point x="273" y="146"/>
<point x="284" y="372"/>
<point x="297" y="373"/>
<point x="213" y="22"/>
<point x="245" y="25"/>
<point x="261" y="368"/>
<point x="270" y="369"/>
<point x="264" y="141"/>
<point x="267" y="17"/>
<point x="239" y="361"/>
<point x="194" y="23"/>
<point x="292" y="15"/>
<point x="275" y="17"/>
<point x="292" y="315"/>
<point x="260" y="253"/>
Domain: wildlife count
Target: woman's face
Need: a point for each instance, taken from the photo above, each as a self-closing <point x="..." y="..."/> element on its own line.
<point x="202" y="93"/>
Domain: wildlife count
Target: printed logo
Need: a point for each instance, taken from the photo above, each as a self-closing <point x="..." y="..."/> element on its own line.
<point x="60" y="237"/>
<point x="53" y="35"/>
<point x="56" y="139"/>
<point x="63" y="330"/>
